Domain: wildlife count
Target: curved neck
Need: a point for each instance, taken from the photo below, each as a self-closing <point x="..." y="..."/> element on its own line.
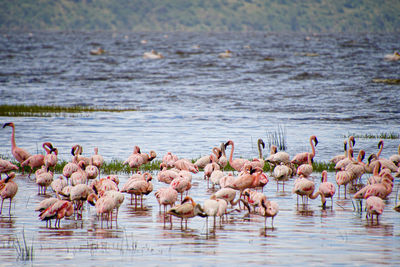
<point x="380" y="149"/>
<point x="312" y="148"/>
<point x="13" y="145"/>
<point x="260" y="150"/>
<point x="231" y="155"/>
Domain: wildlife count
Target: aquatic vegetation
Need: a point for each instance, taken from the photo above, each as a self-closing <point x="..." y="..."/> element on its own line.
<point x="24" y="251"/>
<point x="51" y="111"/>
<point x="383" y="135"/>
<point x="277" y="138"/>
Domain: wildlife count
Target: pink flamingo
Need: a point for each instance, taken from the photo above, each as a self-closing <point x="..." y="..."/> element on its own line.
<point x="374" y="206"/>
<point x="382" y="189"/>
<point x="135" y="160"/>
<point x="34" y="161"/>
<point x="79" y="194"/>
<point x="202" y="162"/>
<point x="181" y="185"/>
<point x="343" y="178"/>
<point x="58" y="184"/>
<point x="327" y="188"/>
<point x="50" y="159"/>
<point x="44" y="204"/>
<point x="97" y="159"/>
<point x="165" y="175"/>
<point x="6" y="166"/>
<point x="222" y="161"/>
<point x="186" y="165"/>
<point x="282" y="173"/>
<point x="104" y="206"/>
<point x="237" y="164"/>
<point x="253" y="198"/>
<point x="8" y="189"/>
<point x="305" y="188"/>
<point x="59" y="210"/>
<point x="92" y="171"/>
<point x="341" y="165"/>
<point x="166" y="196"/>
<point x="210" y="207"/>
<point x="302" y="158"/>
<point x="107" y="184"/>
<point x="148" y="157"/>
<point x="44" y="178"/>
<point x="268" y="209"/>
<point x="305" y="169"/>
<point x="209" y="169"/>
<point x="169" y="159"/>
<point x="187" y="209"/>
<point x="80" y="176"/>
<point x="19" y="154"/>
<point x="259" y="162"/>
<point x="139" y="188"/>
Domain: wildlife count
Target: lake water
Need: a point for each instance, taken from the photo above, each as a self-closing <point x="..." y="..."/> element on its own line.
<point x="189" y="102"/>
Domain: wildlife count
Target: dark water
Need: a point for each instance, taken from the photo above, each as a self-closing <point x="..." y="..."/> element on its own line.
<point x="190" y="101"/>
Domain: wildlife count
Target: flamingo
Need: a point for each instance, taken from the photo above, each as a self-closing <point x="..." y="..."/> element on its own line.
<point x="118" y="199"/>
<point x="8" y="189"/>
<point x="80" y="176"/>
<point x="382" y="189"/>
<point x="44" y="204"/>
<point x="227" y="194"/>
<point x="92" y="171"/>
<point x="6" y="166"/>
<point x="325" y="187"/>
<point x="165" y="175"/>
<point x="185" y="164"/>
<point x="169" y="159"/>
<point x="341" y="165"/>
<point x="357" y="169"/>
<point x="19" y="154"/>
<point x="148" y="157"/>
<point x="276" y="157"/>
<point x="72" y="166"/>
<point x="374" y="206"/>
<point x="44" y="178"/>
<point x="282" y="173"/>
<point x="78" y="152"/>
<point x="303" y="157"/>
<point x="135" y="160"/>
<point x="187" y="209"/>
<point x="216" y="176"/>
<point x="305" y="188"/>
<point x="79" y="194"/>
<point x="181" y="185"/>
<point x="104" y="206"/>
<point x="343" y="178"/>
<point x="209" y="169"/>
<point x="222" y="161"/>
<point x="107" y="184"/>
<point x="305" y="169"/>
<point x="237" y="164"/>
<point x="259" y="162"/>
<point x="34" y="161"/>
<point x="226" y="180"/>
<point x="254" y="198"/>
<point x="58" y="184"/>
<point x="268" y="209"/>
<point x="210" y="207"/>
<point x="97" y="159"/>
<point x="202" y="162"/>
<point x="166" y="196"/>
<point x="50" y="159"/>
<point x="338" y="158"/>
<point x="139" y="188"/>
<point x="59" y="210"/>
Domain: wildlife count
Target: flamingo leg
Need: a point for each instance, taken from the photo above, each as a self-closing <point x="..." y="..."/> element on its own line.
<point x="9" y="209"/>
<point x="1" y="209"/>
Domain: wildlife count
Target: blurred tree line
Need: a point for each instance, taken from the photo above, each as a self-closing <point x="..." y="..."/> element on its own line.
<point x="202" y="15"/>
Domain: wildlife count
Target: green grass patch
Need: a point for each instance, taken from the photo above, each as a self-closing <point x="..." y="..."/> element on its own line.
<point x="51" y="111"/>
<point x="387" y="81"/>
<point x="390" y="135"/>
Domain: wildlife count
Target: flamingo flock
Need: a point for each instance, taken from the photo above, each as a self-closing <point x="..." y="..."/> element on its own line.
<point x="81" y="184"/>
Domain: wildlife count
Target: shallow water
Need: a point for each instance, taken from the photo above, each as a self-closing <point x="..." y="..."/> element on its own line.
<point x="189" y="102"/>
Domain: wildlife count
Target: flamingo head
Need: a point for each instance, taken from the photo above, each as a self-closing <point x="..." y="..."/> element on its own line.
<point x="324" y="176"/>
<point x="380" y="144"/>
<point x="371" y="158"/>
<point x="8" y="124"/>
<point x="187" y="199"/>
<point x="352" y="141"/>
<point x="230" y="142"/>
<point x="261" y="142"/>
<point x="315" y="140"/>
